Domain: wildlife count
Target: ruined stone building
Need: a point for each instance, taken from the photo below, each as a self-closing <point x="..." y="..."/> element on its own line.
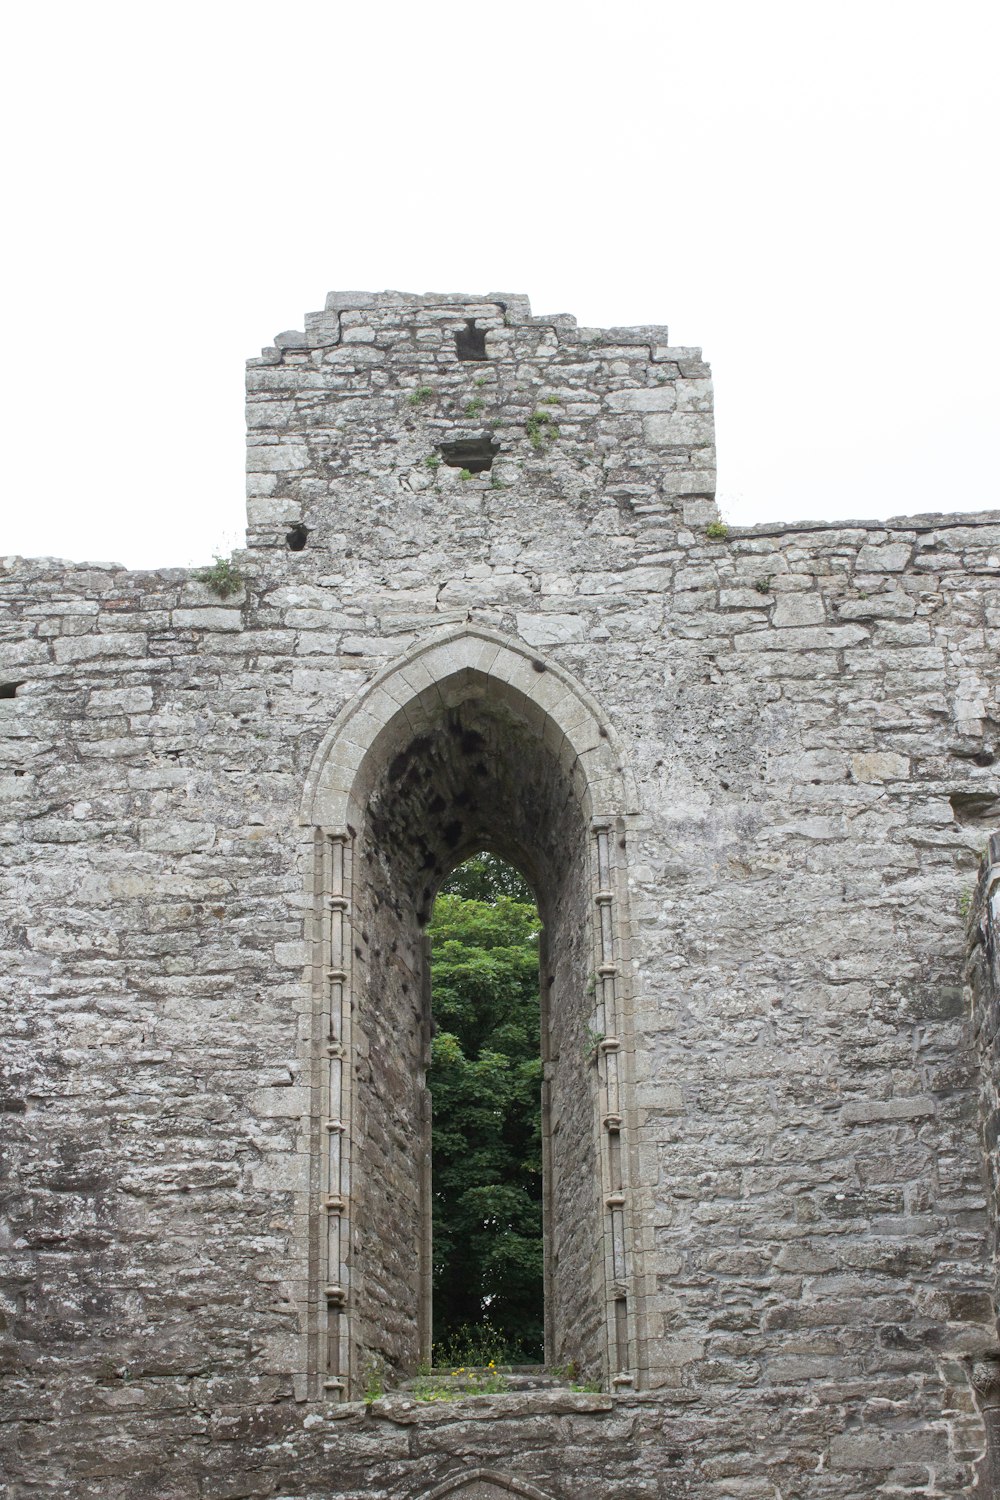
<point x="486" y="601"/>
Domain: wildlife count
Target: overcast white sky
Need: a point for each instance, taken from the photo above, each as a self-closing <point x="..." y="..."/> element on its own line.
<point x="806" y="191"/>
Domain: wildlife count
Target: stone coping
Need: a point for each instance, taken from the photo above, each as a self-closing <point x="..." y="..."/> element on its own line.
<point x="403" y="1410"/>
<point x="927" y="521"/>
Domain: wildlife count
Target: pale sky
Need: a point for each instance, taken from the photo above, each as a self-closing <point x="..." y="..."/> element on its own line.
<point x="806" y="191"/>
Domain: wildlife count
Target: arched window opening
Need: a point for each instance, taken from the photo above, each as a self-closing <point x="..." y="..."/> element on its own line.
<point x="469" y="743"/>
<point x="473" y="775"/>
<point x="485" y="1081"/>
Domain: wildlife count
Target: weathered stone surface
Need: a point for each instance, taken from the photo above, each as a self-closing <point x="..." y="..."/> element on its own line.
<point x="207" y="619"/>
<point x="880" y="765"/>
<point x="552" y="629"/>
<point x="801" y="726"/>
<point x="799" y="609"/>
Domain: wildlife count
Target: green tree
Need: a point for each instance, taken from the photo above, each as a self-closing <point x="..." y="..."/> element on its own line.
<point x="485" y="1082"/>
<point x="484" y="877"/>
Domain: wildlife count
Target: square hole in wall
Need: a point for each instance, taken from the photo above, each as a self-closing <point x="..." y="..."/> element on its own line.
<point x="476" y="454"/>
<point x="470" y="341"/>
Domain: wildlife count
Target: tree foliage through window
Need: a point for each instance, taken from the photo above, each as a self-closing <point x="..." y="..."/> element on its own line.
<point x="485" y="1082"/>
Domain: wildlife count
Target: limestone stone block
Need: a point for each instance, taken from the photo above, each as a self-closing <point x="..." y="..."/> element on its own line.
<point x="660" y="398"/>
<point x="804" y="638"/>
<point x="880" y="765"/>
<point x="743" y="599"/>
<point x="259" y="484"/>
<point x="268" y="512"/>
<point x="286" y="1173"/>
<point x="281" y="1103"/>
<point x="872" y="1449"/>
<point x="207" y="619"/>
<point x="875" y="1111"/>
<point x="177" y="836"/>
<point x="699" y="510"/>
<point x="694" y="395"/>
<point x="679" y="429"/>
<point x="263" y="414"/>
<point x="277" y="458"/>
<point x="892" y="606"/>
<point x="137" y="700"/>
<point x="289" y="955"/>
<point x="74" y="649"/>
<point x="551" y="629"/>
<point x="14" y="654"/>
<point x="799" y="609"/>
<point x="891" y="557"/>
<point x="697" y="479"/>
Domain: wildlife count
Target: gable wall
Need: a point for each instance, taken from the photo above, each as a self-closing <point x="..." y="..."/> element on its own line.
<point x="810" y="715"/>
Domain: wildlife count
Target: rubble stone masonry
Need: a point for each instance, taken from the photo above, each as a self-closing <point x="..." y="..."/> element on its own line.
<point x="752" y="772"/>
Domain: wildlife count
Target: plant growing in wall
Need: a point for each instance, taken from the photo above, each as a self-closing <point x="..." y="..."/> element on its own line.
<point x="223" y="578"/>
<point x="464" y="1380"/>
<point x="594" y="1040"/>
<point x="374" y="1378"/>
<point x="541" y="429"/>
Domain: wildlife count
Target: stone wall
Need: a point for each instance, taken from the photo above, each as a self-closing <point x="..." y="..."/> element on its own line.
<point x="808" y="720"/>
<point x="984" y="983"/>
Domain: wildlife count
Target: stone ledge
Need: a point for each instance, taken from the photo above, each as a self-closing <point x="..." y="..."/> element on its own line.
<point x="927" y="521"/>
<point x="504" y="1405"/>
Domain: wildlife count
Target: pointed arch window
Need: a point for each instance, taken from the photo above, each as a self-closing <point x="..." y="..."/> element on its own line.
<point x="470" y="741"/>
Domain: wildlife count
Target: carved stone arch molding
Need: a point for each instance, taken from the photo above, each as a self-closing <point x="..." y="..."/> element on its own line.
<point x="468" y="740"/>
<point x="483" y="1484"/>
<point x="446" y="663"/>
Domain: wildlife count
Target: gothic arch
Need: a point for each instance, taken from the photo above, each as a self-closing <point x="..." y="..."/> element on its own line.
<point x="446" y="667"/>
<point x="467" y="741"/>
<point x="483" y="1484"/>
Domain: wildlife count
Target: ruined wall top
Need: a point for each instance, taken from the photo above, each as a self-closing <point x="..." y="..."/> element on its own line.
<point x="387" y="402"/>
<point x="347" y="312"/>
